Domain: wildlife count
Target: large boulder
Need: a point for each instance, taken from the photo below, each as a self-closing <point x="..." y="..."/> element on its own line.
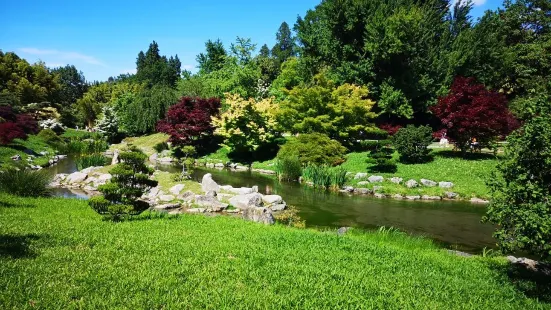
<point x="360" y="175"/>
<point x="242" y="190"/>
<point x="210" y="203"/>
<point x="259" y="215"/>
<point x="166" y="197"/>
<point x="187" y="196"/>
<point x="411" y="184"/>
<point x="362" y="183"/>
<point x="243" y="202"/>
<point x="208" y="184"/>
<point x="428" y="183"/>
<point x="176" y="189"/>
<point x="445" y="184"/>
<point x="376" y="179"/>
<point x="115" y="159"/>
<point x="279" y="207"/>
<point x="272" y="199"/>
<point x="167" y="206"/>
<point x="396" y="180"/>
<point x="362" y="191"/>
<point x="76" y="177"/>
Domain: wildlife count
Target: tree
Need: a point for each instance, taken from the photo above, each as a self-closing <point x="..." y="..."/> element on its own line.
<point x="470" y="111"/>
<point x="214" y="57"/>
<point x="72" y="86"/>
<point x="154" y="69"/>
<point x="108" y="125"/>
<point x="521" y="188"/>
<point x="247" y="124"/>
<point x="314" y="148"/>
<point x="343" y="112"/>
<point x="131" y="178"/>
<point x="285" y="46"/>
<point x="189" y="122"/>
<point x="242" y="50"/>
<point x="412" y="143"/>
<point x="15" y="126"/>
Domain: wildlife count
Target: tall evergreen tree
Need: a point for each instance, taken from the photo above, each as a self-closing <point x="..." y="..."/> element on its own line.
<point x="214" y="57"/>
<point x="285" y="46"/>
<point x="154" y="69"/>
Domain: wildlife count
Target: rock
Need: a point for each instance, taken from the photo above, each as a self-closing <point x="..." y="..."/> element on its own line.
<point x="427" y="197"/>
<point x="397" y="196"/>
<point x="252" y="200"/>
<point x="379" y="195"/>
<point x="154" y="192"/>
<point x="90" y="180"/>
<point x="362" y="191"/>
<point x="166" y="197"/>
<point x="241" y="168"/>
<point x="209" y="165"/>
<point x="187" y="196"/>
<point x="411" y="184"/>
<point x="219" y="165"/>
<point x="226" y="187"/>
<point x="450" y="195"/>
<point x="348" y="189"/>
<point x="459" y="253"/>
<point x="61" y="157"/>
<point x="478" y="200"/>
<point x="90" y="169"/>
<point x="89" y="188"/>
<point x="376" y="179"/>
<point x="272" y="199"/>
<point x="428" y="183"/>
<point x="176" y="212"/>
<point x="115" y="159"/>
<point x="210" y="203"/>
<point x="360" y="175"/>
<point x="211" y="194"/>
<point x="264" y="171"/>
<point x="153" y="158"/>
<point x="233" y="211"/>
<point x="165" y="160"/>
<point x="396" y="180"/>
<point x="76" y="177"/>
<point x="208" y="184"/>
<point x="222" y="196"/>
<point x="43" y="153"/>
<point x="104" y="178"/>
<point x="242" y="190"/>
<point x="196" y="210"/>
<point x="255" y="188"/>
<point x="363" y="183"/>
<point x="59" y="177"/>
<point x="279" y="207"/>
<point x="445" y="184"/>
<point x="377" y="188"/>
<point x="167" y="206"/>
<point x="259" y="215"/>
<point x="16" y="157"/>
<point x="176" y="189"/>
<point x="413" y="197"/>
<point x="343" y="230"/>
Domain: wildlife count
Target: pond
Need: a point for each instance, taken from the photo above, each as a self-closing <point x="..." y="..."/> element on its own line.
<point x="452" y="223"/>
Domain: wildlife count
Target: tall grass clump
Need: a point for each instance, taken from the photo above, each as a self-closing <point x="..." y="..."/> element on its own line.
<point x="319" y="175"/>
<point x="78" y="147"/>
<point x="25" y="182"/>
<point x="339" y="176"/>
<point x="288" y="168"/>
<point x="92" y="160"/>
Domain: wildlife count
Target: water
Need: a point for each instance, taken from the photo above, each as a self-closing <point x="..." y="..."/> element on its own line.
<point x="453" y="223"/>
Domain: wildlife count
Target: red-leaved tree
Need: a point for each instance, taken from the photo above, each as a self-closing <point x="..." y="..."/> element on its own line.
<point x="13" y="126"/>
<point x="10" y="131"/>
<point x="189" y="121"/>
<point x="470" y="111"/>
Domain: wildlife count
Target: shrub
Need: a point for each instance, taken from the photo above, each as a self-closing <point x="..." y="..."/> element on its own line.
<point x="50" y="137"/>
<point x="319" y="175"/>
<point x="93" y="160"/>
<point x="131" y="178"/>
<point x="314" y="148"/>
<point x="471" y="111"/>
<point x="108" y="125"/>
<point x="10" y="131"/>
<point x="161" y="146"/>
<point x="369" y="145"/>
<point x="290" y="217"/>
<point x="412" y="143"/>
<point x="381" y="160"/>
<point x="288" y="168"/>
<point x="521" y="188"/>
<point x="52" y="124"/>
<point x="27" y="183"/>
<point x="390" y="129"/>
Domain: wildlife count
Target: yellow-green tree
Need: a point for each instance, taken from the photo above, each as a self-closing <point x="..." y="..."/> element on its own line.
<point x="342" y="112"/>
<point x="247" y="124"/>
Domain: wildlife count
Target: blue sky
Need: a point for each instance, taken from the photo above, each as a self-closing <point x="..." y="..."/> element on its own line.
<point x="102" y="38"/>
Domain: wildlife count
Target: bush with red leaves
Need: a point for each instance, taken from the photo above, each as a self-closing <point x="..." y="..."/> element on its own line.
<point x="27" y="123"/>
<point x="391" y="129"/>
<point x="10" y="131"/>
<point x="470" y="111"/>
<point x="189" y="121"/>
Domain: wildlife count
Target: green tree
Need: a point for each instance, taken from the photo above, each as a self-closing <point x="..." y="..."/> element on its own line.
<point x="412" y="143"/>
<point x="285" y="46"/>
<point x="72" y="86"/>
<point x="154" y="69"/>
<point x="521" y="189"/>
<point x="214" y="57"/>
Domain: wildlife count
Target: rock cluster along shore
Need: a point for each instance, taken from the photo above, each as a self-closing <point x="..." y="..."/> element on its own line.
<point x="30" y="158"/>
<point x="245" y="201"/>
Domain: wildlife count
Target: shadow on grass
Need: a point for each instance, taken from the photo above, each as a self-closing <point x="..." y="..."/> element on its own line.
<point x="17" y="246"/>
<point x="5" y="204"/>
<point x="535" y="284"/>
<point x="467" y="156"/>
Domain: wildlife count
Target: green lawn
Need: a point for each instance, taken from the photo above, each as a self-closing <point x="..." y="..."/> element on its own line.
<point x="145" y="143"/>
<point x="18" y="146"/>
<point x="59" y="254"/>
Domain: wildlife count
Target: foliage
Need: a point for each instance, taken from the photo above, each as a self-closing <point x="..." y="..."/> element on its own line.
<point x="319" y="175"/>
<point x="291" y="75"/>
<point x="247" y="125"/>
<point x="412" y="143"/>
<point x="72" y="86"/>
<point x="214" y="57"/>
<point x="131" y="178"/>
<point x="288" y="168"/>
<point x="53" y="125"/>
<point x="15" y="126"/>
<point x="285" y="46"/>
<point x="108" y="124"/>
<point x="49" y="136"/>
<point x="189" y="121"/>
<point x="91" y="160"/>
<point x="161" y="146"/>
<point x="342" y="112"/>
<point x="370" y="145"/>
<point x="154" y="69"/>
<point x="380" y="159"/>
<point x="25" y="182"/>
<point x="313" y="148"/>
<point x="470" y="111"/>
<point x="521" y="189"/>
<point x="290" y="217"/>
<point x="10" y="131"/>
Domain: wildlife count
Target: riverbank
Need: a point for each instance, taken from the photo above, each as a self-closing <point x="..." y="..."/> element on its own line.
<point x="57" y="253"/>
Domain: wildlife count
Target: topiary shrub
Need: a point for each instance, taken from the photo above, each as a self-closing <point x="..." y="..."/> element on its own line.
<point x="412" y="144"/>
<point x="26" y="183"/>
<point x="314" y="148"/>
<point x="120" y="197"/>
<point x="380" y="160"/>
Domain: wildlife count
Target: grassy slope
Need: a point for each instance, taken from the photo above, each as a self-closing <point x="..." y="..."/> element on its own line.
<point x="468" y="175"/>
<point x="57" y="253"/>
<point x="18" y="146"/>
<point x="145" y="143"/>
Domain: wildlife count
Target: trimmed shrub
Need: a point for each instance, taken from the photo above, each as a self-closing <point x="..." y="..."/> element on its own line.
<point x="412" y="144"/>
<point x="314" y="148"/>
<point x="26" y="183"/>
<point x="381" y="160"/>
<point x="161" y="146"/>
<point x="288" y="168"/>
<point x="370" y="145"/>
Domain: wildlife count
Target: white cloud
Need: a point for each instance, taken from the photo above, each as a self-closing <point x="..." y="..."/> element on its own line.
<point x="54" y="64"/>
<point x="129" y="71"/>
<point x="188" y="67"/>
<point x="63" y="56"/>
<point x="475" y="2"/>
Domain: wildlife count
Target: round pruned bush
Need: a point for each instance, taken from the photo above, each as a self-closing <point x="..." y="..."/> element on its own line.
<point x="412" y="144"/>
<point x="314" y="148"/>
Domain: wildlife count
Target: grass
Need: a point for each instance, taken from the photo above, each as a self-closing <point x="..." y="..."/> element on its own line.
<point x="166" y="181"/>
<point x="59" y="254"/>
<point x="468" y="175"/>
<point x="33" y="143"/>
<point x="144" y="143"/>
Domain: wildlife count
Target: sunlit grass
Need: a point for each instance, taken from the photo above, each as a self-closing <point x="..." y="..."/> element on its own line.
<point x="144" y="143"/>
